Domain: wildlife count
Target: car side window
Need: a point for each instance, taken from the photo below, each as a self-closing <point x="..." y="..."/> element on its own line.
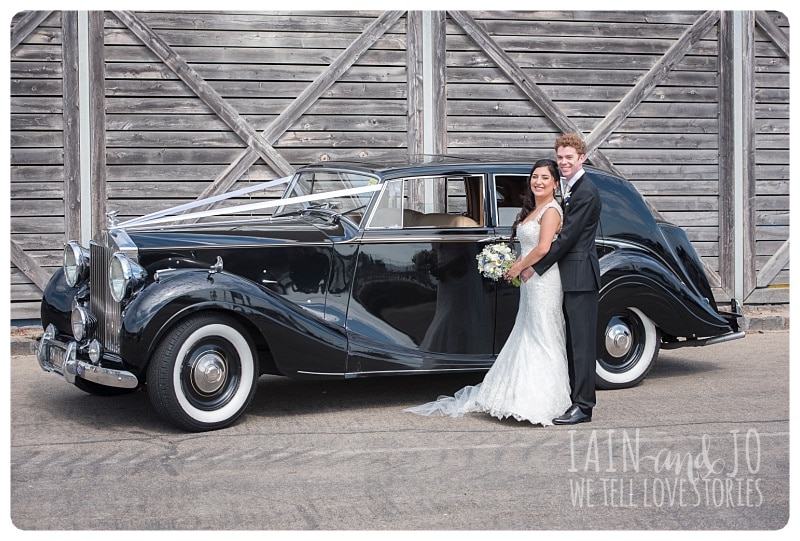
<point x="509" y="190"/>
<point x="432" y="202"/>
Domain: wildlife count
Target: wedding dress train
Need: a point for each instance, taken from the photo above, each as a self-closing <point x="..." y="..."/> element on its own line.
<point x="529" y="381"/>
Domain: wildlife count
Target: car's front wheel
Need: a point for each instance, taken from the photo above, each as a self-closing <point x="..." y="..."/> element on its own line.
<point x="628" y="344"/>
<point x="203" y="374"/>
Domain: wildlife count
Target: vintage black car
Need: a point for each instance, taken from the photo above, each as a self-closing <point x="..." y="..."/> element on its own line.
<point x="359" y="270"/>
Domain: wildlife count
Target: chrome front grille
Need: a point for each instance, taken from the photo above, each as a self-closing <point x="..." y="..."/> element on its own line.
<point x="103" y="307"/>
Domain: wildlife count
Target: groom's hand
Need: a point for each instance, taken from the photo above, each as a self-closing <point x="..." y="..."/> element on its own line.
<point x="526" y="273"/>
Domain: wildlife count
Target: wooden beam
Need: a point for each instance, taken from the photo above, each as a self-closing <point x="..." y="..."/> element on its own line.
<point x="205" y="92"/>
<point x="71" y="120"/>
<point x="438" y="109"/>
<point x="97" y="120"/>
<point x="28" y="266"/>
<point x="305" y="100"/>
<point x="775" y="264"/>
<point x="726" y="167"/>
<point x="658" y="73"/>
<point x="27" y="24"/>
<point x="748" y="85"/>
<point x="773" y="31"/>
<point x="414" y="81"/>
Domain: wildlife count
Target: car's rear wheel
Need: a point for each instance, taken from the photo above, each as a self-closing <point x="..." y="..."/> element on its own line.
<point x="203" y="374"/>
<point x="628" y="344"/>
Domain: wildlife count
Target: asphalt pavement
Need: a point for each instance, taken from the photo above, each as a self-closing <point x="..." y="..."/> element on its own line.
<point x="701" y="445"/>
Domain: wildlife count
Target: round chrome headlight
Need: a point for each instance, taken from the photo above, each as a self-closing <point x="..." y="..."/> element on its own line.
<point x="83" y="324"/>
<point x="125" y="277"/>
<point x="76" y="263"/>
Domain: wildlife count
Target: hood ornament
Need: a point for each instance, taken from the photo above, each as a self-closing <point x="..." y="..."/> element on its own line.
<point x="111" y="217"/>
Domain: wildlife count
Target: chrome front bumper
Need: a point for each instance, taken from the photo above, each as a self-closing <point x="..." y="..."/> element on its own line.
<point x="62" y="358"/>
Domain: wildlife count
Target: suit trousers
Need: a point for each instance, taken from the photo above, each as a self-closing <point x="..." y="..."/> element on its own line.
<point x="580" y="312"/>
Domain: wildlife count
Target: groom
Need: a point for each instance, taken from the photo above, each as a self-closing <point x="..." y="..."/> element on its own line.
<point x="575" y="252"/>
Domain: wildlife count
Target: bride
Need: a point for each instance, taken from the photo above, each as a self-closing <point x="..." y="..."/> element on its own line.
<point x="529" y="381"/>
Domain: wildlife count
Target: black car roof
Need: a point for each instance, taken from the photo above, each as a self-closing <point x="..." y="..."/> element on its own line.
<point x="437" y="165"/>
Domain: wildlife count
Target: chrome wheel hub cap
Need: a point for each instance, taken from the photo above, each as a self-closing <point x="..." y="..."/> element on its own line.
<point x="618" y="340"/>
<point x="209" y="372"/>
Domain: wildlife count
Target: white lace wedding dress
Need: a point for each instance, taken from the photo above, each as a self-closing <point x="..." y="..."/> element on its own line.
<point x="529" y="381"/>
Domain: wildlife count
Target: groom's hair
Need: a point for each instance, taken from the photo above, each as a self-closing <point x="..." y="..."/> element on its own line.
<point x="571" y="140"/>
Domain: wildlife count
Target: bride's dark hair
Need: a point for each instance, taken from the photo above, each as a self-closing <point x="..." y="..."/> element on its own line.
<point x="528" y="201"/>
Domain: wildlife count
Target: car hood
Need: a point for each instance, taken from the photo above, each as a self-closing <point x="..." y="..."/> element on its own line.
<point x="284" y="230"/>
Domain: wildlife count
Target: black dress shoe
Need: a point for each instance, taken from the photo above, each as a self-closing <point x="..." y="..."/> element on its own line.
<point x="573" y="416"/>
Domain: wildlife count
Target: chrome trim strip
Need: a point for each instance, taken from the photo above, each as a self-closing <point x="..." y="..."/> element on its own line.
<point x="392" y="372"/>
<point x="106" y="376"/>
<point x="422" y="238"/>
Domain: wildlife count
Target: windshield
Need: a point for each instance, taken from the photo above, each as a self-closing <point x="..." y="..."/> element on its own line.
<point x="319" y="183"/>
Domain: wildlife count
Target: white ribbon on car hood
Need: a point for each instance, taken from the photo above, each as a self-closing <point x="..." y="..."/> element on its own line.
<point x="163" y="217"/>
<point x="206" y="201"/>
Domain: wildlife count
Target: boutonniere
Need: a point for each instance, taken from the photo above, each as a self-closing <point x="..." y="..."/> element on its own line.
<point x="567" y="195"/>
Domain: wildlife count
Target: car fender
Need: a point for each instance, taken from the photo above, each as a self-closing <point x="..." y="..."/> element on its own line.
<point x="57" y="301"/>
<point x="636" y="279"/>
<point x="290" y="332"/>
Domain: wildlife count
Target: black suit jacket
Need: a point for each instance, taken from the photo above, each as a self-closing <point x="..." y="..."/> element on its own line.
<point x="574" y="249"/>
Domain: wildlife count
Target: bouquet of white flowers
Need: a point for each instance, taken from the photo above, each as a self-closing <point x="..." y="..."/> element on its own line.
<point x="495" y="260"/>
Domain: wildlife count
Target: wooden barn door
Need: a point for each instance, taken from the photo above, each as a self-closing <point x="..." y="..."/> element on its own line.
<point x="692" y="107"/>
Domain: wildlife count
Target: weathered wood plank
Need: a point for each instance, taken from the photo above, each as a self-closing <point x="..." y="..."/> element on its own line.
<point x="42" y="139"/>
<point x="307" y="22"/>
<point x="39" y="156"/>
<point x="37" y="190"/>
<point x="28" y="266"/>
<point x="215" y="55"/>
<point x="38" y="244"/>
<point x="176" y="189"/>
<point x="591" y="61"/>
<point x="288" y="86"/>
<point x="210" y="154"/>
<point x="39" y="224"/>
<point x="25" y="310"/>
<point x="562" y="23"/>
<point x="35" y="173"/>
<point x="220" y="74"/>
<point x="769" y="296"/>
<point x="503" y="98"/>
